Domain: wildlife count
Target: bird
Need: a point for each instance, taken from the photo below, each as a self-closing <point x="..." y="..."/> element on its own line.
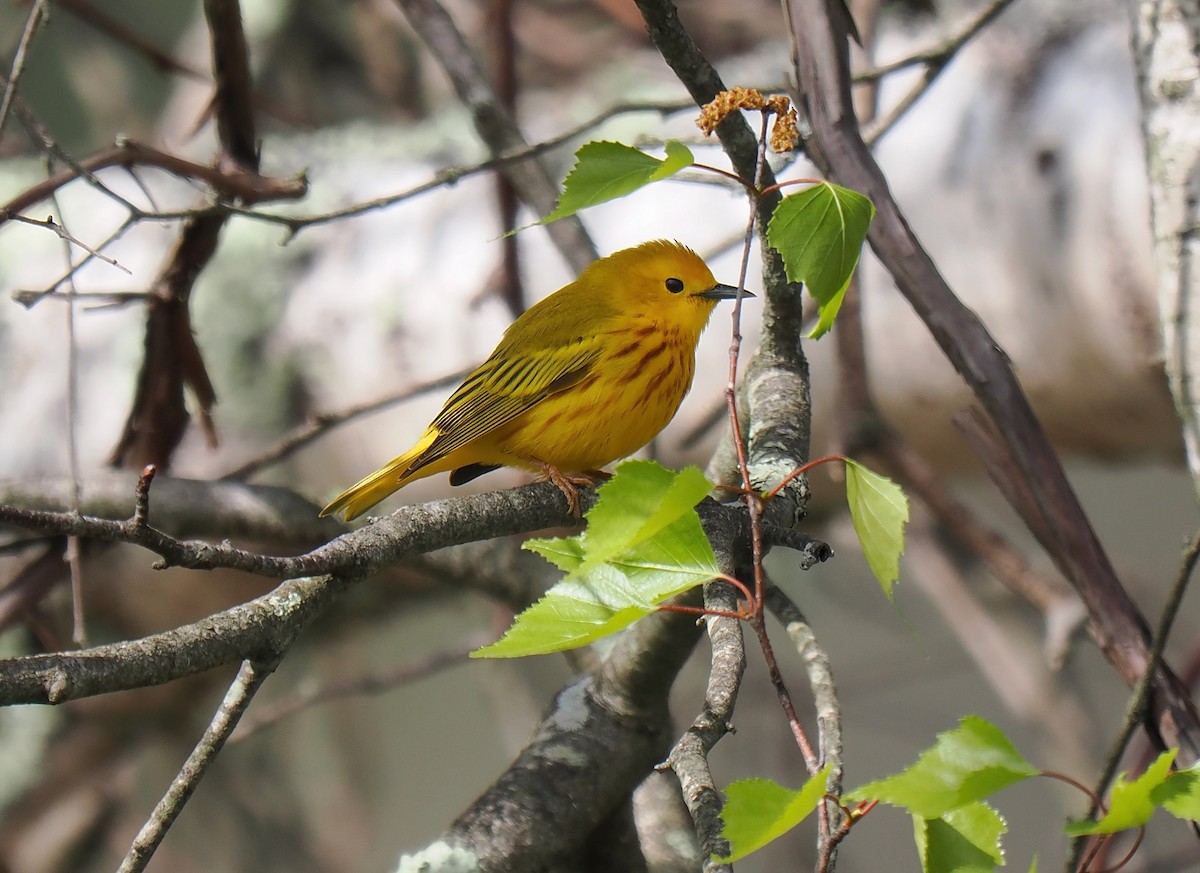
<point x="586" y="376"/>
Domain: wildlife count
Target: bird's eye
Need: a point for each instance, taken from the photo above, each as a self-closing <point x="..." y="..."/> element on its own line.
<point x="674" y="285"/>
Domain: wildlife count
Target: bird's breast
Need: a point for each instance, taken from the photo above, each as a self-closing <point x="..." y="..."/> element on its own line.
<point x="632" y="392"/>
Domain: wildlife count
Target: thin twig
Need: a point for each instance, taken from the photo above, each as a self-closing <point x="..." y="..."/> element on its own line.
<point x="752" y="500"/>
<point x="50" y="224"/>
<point x="276" y="711"/>
<point x="74" y="552"/>
<point x="29" y="299"/>
<point x="1135" y="710"/>
<point x="121" y="34"/>
<point x="450" y="176"/>
<point x="322" y="424"/>
<point x="247" y="682"/>
<point x="935" y="61"/>
<point x="229" y="180"/>
<point x="49" y="145"/>
<point x="36" y="15"/>
<point x="104" y="299"/>
<point x="496" y="127"/>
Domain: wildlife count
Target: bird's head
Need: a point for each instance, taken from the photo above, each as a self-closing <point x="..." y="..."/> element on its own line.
<point x="662" y="280"/>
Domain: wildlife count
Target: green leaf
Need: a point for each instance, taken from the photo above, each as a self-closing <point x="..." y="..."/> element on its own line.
<point x="819" y="233"/>
<point x="964" y="840"/>
<point x="643" y="544"/>
<point x="1131" y="804"/>
<point x="966" y="764"/>
<point x="758" y="811"/>
<point x="632" y="508"/>
<point x="879" y="510"/>
<point x="604" y="171"/>
<point x="1180" y="794"/>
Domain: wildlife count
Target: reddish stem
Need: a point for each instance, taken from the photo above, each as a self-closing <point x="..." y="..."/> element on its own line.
<point x="800" y="471"/>
<point x="778" y="186"/>
<point x="754" y="193"/>
<point x="811" y="760"/>
<point x="1128" y="855"/>
<point x="740" y="586"/>
<point x="703" y="611"/>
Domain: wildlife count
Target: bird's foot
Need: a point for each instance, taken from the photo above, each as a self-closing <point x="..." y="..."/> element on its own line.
<point x="567" y="483"/>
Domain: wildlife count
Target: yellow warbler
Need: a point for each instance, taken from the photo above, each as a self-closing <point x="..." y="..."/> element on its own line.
<point x="588" y="375"/>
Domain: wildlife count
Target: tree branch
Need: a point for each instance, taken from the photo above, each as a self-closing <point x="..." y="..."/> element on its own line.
<point x="183" y="507"/>
<point x="603" y="736"/>
<point x="266" y="625"/>
<point x="689" y="757"/>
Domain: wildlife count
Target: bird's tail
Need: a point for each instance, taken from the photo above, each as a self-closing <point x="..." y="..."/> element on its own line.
<point x="397" y="473"/>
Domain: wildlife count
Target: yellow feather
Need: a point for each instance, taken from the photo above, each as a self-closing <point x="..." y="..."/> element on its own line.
<point x="586" y="376"/>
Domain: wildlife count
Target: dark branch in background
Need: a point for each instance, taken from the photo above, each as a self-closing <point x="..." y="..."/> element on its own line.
<point x="122" y="35"/>
<point x="862" y="428"/>
<point x="495" y="126"/>
<point x="185" y="507"/>
<point x="233" y="106"/>
<point x="235" y="182"/>
<point x="172" y="363"/>
<point x="504" y="75"/>
<point x="31" y="582"/>
<point x="36" y="16"/>
<point x="821" y="64"/>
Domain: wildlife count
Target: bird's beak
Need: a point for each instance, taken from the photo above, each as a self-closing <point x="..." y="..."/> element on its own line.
<point x="723" y="292"/>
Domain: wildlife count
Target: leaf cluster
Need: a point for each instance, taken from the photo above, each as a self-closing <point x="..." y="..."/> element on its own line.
<point x="946" y="791"/>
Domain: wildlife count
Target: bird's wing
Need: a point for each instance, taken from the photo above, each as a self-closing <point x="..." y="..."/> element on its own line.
<point x="504" y="386"/>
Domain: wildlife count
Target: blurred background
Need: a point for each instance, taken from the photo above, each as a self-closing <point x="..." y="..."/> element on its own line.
<point x="1022" y="170"/>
